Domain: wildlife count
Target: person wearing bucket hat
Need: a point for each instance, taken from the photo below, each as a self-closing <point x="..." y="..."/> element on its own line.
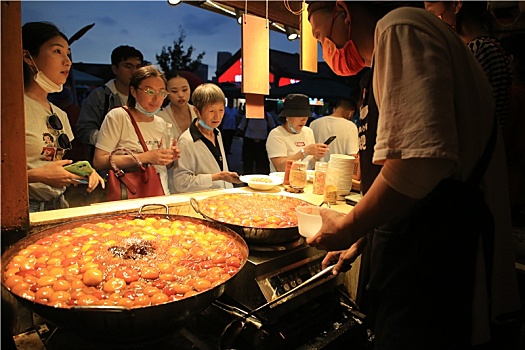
<point x="293" y="140"/>
<point x="434" y="221"/>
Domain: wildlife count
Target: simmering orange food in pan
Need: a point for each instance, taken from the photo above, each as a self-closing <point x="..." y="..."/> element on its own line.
<point x="123" y="262"/>
<point x="252" y="210"/>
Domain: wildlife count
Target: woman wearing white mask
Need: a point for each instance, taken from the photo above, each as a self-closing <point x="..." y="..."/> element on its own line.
<point x="46" y="68"/>
<point x="293" y="140"/>
<point x="203" y="165"/>
<point x="147" y="91"/>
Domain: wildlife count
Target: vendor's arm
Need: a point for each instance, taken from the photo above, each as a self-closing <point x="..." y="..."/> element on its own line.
<point x="399" y="186"/>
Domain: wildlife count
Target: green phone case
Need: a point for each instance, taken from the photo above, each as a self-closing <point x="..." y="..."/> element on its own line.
<point x="82" y="168"/>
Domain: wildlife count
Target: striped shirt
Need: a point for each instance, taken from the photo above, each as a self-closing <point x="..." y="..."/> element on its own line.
<point x="496" y="65"/>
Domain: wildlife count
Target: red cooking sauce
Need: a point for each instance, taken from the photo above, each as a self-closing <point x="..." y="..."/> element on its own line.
<point x="252" y="210"/>
<point x="123" y="262"/>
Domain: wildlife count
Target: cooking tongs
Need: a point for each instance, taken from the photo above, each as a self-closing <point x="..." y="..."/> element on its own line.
<point x="233" y="329"/>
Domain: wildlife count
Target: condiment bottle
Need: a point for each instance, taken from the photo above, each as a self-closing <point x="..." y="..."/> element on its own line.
<point x="319" y="177"/>
<point x="286" y="180"/>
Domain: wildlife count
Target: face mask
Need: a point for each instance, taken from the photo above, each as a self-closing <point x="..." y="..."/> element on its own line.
<point x="139" y="108"/>
<point x="46" y="84"/>
<point x="292" y="129"/>
<point x="204" y="125"/>
<point x="345" y="61"/>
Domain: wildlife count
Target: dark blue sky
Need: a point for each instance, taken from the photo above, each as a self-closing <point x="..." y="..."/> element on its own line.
<point x="146" y="25"/>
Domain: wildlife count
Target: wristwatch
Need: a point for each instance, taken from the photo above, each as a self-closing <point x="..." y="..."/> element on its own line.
<point x="303" y="153"/>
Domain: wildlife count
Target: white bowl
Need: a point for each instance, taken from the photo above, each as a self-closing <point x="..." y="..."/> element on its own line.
<point x="309" y="220"/>
<point x="261" y="182"/>
<point x="279" y="174"/>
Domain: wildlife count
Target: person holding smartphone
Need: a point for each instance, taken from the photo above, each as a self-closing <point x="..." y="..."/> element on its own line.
<point x="338" y="124"/>
<point x="48" y="133"/>
<point x="293" y="140"/>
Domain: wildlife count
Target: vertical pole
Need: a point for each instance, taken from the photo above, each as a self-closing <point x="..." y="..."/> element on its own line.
<point x="13" y="171"/>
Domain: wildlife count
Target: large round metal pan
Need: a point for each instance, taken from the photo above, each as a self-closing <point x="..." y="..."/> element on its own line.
<point x="261" y="236"/>
<point x="119" y="325"/>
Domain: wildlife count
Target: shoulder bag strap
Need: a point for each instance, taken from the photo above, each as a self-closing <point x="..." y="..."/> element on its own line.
<point x="137" y="130"/>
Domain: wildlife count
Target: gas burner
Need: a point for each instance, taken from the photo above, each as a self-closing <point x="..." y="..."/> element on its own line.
<point x="276" y="247"/>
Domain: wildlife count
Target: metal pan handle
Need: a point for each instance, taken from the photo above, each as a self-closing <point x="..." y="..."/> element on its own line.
<point x="139" y="215"/>
<point x="195" y="205"/>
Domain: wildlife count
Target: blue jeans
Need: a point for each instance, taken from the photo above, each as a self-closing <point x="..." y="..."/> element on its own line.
<point x="57" y="203"/>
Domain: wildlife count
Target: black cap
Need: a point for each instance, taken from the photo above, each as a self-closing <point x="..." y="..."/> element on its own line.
<point x="296" y="105"/>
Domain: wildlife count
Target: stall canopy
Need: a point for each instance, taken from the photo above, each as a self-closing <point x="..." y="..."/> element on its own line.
<point x="286" y="77"/>
<point x="316" y="88"/>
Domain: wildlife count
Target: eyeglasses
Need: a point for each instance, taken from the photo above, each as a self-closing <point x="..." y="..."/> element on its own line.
<point x="54" y="122"/>
<point x="152" y="93"/>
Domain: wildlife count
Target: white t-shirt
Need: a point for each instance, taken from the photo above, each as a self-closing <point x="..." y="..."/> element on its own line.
<point x="42" y="145"/>
<point x="167" y="114"/>
<point x="347" y="140"/>
<point x="118" y="131"/>
<point x="281" y="143"/>
<point x="437" y="117"/>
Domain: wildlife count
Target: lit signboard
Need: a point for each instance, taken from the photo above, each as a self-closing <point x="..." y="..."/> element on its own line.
<point x="234" y="75"/>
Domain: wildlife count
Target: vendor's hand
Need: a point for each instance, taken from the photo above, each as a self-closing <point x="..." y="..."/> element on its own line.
<point x="317" y="150"/>
<point x="344" y="258"/>
<point x="93" y="180"/>
<point x="332" y="236"/>
<point x="158" y="156"/>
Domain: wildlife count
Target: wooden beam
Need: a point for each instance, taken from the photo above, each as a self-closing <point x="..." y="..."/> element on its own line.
<point x="15" y="210"/>
<point x="277" y="10"/>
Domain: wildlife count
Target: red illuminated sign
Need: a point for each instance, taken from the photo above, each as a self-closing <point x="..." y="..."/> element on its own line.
<point x="234" y="75"/>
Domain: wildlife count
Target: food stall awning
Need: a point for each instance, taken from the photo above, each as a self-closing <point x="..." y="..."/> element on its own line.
<point x="315" y="88"/>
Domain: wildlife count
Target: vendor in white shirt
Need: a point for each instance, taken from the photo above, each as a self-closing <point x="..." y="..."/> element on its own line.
<point x="293" y="140"/>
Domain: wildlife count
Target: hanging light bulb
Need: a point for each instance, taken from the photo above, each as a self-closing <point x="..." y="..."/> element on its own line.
<point x="238" y="15"/>
<point x="291" y="33"/>
<point x="174" y="2"/>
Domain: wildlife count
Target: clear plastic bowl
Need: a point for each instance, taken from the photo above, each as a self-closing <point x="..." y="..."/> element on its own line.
<point x="309" y="220"/>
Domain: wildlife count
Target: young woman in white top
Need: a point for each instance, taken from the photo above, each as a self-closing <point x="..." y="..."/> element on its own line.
<point x="48" y="133"/>
<point x="179" y="112"/>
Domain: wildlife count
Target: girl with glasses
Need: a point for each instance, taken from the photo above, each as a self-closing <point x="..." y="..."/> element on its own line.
<point x="147" y="92"/>
<point x="48" y="133"/>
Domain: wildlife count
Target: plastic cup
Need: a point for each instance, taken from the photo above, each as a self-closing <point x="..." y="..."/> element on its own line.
<point x="309" y="220"/>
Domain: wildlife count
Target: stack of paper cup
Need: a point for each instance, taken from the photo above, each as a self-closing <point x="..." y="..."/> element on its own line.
<point x="345" y="164"/>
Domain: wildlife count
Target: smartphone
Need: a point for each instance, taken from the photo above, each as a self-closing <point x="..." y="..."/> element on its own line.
<point x="329" y="141"/>
<point x="82" y="168"/>
<point x="82" y="182"/>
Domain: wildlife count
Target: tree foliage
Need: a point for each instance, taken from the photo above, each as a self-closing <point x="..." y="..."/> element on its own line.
<point x="175" y="58"/>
